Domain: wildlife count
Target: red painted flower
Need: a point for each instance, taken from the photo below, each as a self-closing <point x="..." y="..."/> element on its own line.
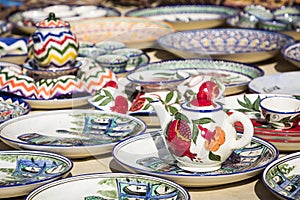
<point x="214" y="139"/>
<point x="120" y="105"/>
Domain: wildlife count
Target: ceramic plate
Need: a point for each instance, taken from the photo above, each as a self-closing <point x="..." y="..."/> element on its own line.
<point x="292" y="53"/>
<point x="5" y="27"/>
<point x="153" y="158"/>
<point x="17" y="18"/>
<point x="282" y="177"/>
<point x="11" y="107"/>
<point x="235" y="76"/>
<point x="135" y="32"/>
<point x="277" y="83"/>
<point x="10" y="46"/>
<point x="284" y="140"/>
<point x="186" y="17"/>
<point x="242" y="45"/>
<point x="23" y="171"/>
<point x="110" y="186"/>
<point x="73" y="133"/>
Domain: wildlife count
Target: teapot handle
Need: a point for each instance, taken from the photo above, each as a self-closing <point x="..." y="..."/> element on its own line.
<point x="248" y="129"/>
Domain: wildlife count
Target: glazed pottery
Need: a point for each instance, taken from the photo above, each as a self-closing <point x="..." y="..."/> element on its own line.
<point x="153" y="158"/>
<point x="23" y="171"/>
<point x="110" y="186"/>
<point x="292" y="53"/>
<point x="280" y="111"/>
<point x="53" y="45"/>
<point x="200" y="135"/>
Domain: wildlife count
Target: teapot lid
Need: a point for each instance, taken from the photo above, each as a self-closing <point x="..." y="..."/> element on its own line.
<point x="52" y="22"/>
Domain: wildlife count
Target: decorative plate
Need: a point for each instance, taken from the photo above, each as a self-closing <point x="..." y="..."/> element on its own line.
<point x="283" y="139"/>
<point x="74" y="133"/>
<point x="10" y="46"/>
<point x="28" y="26"/>
<point x="186" y="17"/>
<point x="235" y="76"/>
<point x="110" y="186"/>
<point x="242" y="45"/>
<point x="11" y="107"/>
<point x="292" y="53"/>
<point x="65" y="91"/>
<point x="153" y="158"/>
<point x="23" y="171"/>
<point x="5" y="27"/>
<point x="135" y="32"/>
<point x="281" y="177"/>
<point x="277" y="83"/>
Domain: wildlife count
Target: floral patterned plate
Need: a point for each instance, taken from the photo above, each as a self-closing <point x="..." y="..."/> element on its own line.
<point x="73" y="133"/>
<point x="11" y="107"/>
<point x="241" y="45"/>
<point x="153" y="158"/>
<point x="282" y="177"/>
<point x="283" y="139"/>
<point x="110" y="186"/>
<point x="23" y="171"/>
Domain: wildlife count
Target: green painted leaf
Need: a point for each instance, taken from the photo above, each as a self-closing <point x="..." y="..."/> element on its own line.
<point x="105" y="102"/>
<point x="173" y="110"/>
<point x="195" y="133"/>
<point x="182" y="117"/>
<point x="204" y="120"/>
<point x="108" y="94"/>
<point x="213" y="156"/>
<point x="99" y="98"/>
<point x="169" y="97"/>
<point x="243" y="104"/>
<point x="149" y="99"/>
<point x="146" y="106"/>
<point x="256" y="104"/>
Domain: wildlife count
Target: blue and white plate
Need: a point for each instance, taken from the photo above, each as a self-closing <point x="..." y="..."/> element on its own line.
<point x="282" y="177"/>
<point x="242" y="45"/>
<point x="74" y="133"/>
<point x="292" y="53"/>
<point x="110" y="186"/>
<point x="147" y="154"/>
<point x="187" y="17"/>
<point x="11" y="107"/>
<point x="23" y="171"/>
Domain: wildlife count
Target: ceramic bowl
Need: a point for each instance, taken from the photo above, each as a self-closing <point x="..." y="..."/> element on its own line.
<point x="92" y="52"/>
<point x="13" y="49"/>
<point x="281" y="112"/>
<point x="260" y="12"/>
<point x="5" y="27"/>
<point x="135" y="32"/>
<point x="292" y="53"/>
<point x="287" y="14"/>
<point x="134" y="57"/>
<point x="248" y="21"/>
<point x="242" y="45"/>
<point x="273" y="25"/>
<point x="187" y="17"/>
<point x="158" y="79"/>
<point x="110" y="46"/>
<point x="116" y="63"/>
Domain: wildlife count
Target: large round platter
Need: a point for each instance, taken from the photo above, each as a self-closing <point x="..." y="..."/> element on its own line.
<point x="281" y="177"/>
<point x="235" y="76"/>
<point x="13" y="49"/>
<point x="186" y="17"/>
<point x="11" y="107"/>
<point x="152" y="158"/>
<point x="17" y="18"/>
<point x="242" y="45"/>
<point x="110" y="186"/>
<point x="283" y="139"/>
<point x="74" y="133"/>
<point x="23" y="171"/>
<point x="277" y="83"/>
<point x="135" y="32"/>
<point x="292" y="53"/>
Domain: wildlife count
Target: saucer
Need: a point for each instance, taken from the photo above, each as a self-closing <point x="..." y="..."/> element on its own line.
<point x="147" y="154"/>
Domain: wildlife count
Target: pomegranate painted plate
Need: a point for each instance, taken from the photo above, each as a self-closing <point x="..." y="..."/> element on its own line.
<point x="284" y="140"/>
<point x="154" y="159"/>
<point x="75" y="133"/>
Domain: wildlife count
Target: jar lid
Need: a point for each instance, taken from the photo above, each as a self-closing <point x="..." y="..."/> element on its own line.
<point x="52" y="22"/>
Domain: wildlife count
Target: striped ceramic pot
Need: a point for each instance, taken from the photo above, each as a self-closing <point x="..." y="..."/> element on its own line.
<point x="53" y="45"/>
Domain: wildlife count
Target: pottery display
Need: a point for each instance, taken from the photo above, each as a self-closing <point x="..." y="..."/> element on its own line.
<point x="292" y="53"/>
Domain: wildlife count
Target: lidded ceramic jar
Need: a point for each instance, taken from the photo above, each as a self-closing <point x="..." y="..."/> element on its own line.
<point x="53" y="45"/>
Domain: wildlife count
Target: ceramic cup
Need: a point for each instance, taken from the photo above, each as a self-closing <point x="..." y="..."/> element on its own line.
<point x="281" y="112"/>
<point x="116" y="63"/>
<point x="134" y="56"/>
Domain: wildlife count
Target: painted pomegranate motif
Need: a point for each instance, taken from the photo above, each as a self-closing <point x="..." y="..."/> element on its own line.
<point x="179" y="139"/>
<point x="214" y="139"/>
<point x="120" y="105"/>
<point x="137" y="104"/>
<point x="208" y="90"/>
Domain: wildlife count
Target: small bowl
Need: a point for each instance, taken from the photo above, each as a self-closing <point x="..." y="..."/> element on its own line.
<point x="158" y="79"/>
<point x="110" y="46"/>
<point x="91" y="52"/>
<point x="248" y="21"/>
<point x="116" y="63"/>
<point x="273" y="25"/>
<point x="134" y="56"/>
<point x="281" y="112"/>
<point x="292" y="53"/>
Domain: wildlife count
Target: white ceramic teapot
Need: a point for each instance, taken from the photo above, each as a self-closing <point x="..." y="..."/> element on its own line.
<point x="200" y="135"/>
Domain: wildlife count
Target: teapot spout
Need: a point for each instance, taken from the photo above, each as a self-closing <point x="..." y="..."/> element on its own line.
<point x="162" y="113"/>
